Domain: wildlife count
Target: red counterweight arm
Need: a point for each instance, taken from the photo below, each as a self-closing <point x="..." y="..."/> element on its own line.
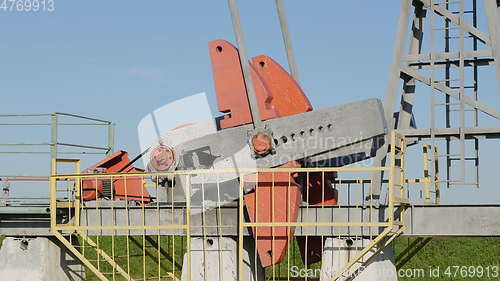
<point x="277" y="196"/>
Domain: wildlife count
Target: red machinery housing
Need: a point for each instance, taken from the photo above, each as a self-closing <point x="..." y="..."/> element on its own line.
<point x="118" y="187"/>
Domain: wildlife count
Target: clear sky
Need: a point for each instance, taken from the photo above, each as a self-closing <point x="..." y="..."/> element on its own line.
<point x="120" y="60"/>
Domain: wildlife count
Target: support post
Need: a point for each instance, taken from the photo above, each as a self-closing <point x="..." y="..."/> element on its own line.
<point x="390" y="98"/>
<point x="111" y="138"/>
<point x="53" y="136"/>
<point x="245" y="65"/>
<point x="292" y="64"/>
<point x="492" y="9"/>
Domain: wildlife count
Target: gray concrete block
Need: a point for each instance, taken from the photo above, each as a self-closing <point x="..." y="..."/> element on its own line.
<point x="38" y="259"/>
<point x="216" y="258"/>
<point x="338" y="252"/>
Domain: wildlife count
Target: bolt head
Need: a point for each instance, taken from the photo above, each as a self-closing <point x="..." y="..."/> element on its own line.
<point x="261" y="144"/>
<point x="162" y="158"/>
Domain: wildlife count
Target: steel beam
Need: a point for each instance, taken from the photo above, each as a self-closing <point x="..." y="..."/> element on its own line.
<point x="448" y="91"/>
<point x="405" y="114"/>
<point x="443" y="133"/>
<point x="292" y="64"/>
<point x="245" y="65"/>
<point x="492" y="9"/>
<point x="440" y="10"/>
<point x="422" y="220"/>
<point x="390" y="97"/>
<point x="447" y="55"/>
<point x="455" y="63"/>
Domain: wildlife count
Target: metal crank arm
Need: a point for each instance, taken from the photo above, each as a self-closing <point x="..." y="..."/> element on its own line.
<point x="323" y="131"/>
<point x="310" y="134"/>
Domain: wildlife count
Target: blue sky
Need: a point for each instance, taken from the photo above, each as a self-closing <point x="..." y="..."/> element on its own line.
<point x="120" y="60"/>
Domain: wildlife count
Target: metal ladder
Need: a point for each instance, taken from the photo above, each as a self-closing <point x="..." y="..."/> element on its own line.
<point x="462" y="76"/>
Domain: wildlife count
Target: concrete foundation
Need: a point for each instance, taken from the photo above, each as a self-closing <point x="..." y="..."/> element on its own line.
<point x="338" y="252"/>
<point x="216" y="258"/>
<point x="38" y="259"/>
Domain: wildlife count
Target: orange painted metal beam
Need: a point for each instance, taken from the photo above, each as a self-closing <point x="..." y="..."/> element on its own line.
<point x="288" y="97"/>
<point x="276" y="196"/>
<point x="230" y="87"/>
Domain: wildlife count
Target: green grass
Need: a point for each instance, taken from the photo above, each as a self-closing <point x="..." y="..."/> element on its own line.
<point x="171" y="256"/>
<point x="474" y="254"/>
<point x="439" y="255"/>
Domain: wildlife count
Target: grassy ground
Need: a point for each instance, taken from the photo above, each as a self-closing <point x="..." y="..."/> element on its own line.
<point x="436" y="261"/>
<point x="470" y="256"/>
<point x="144" y="258"/>
<point x="453" y="259"/>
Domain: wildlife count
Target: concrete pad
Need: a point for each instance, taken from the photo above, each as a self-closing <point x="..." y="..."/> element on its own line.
<point x="216" y="258"/>
<point x="38" y="259"/>
<point x="338" y="252"/>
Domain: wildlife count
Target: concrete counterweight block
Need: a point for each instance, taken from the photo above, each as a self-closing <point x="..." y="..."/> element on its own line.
<point x="338" y="252"/>
<point x="38" y="259"/>
<point x="216" y="258"/>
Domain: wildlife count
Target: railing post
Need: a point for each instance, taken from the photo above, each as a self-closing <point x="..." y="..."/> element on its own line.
<point x="53" y="203"/>
<point x="390" y="188"/>
<point x="188" y="225"/>
<point x="77" y="198"/>
<point x="436" y="176"/>
<point x="111" y="138"/>
<point x="53" y="136"/>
